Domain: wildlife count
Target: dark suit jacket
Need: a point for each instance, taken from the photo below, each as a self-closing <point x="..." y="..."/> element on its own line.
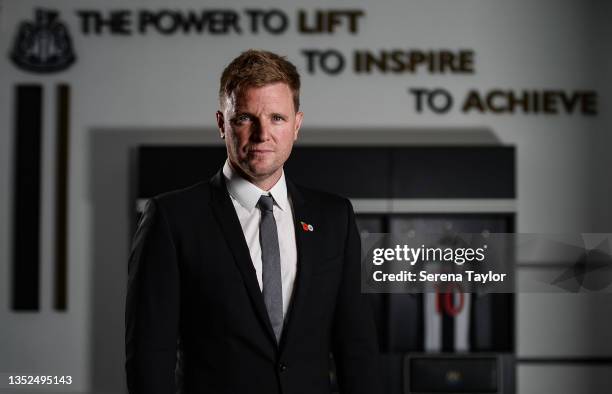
<point x="194" y="302"/>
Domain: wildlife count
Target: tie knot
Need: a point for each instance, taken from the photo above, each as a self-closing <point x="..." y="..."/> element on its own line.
<point x="265" y="203"/>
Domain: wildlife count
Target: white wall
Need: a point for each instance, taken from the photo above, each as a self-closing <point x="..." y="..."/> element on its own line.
<point x="163" y="89"/>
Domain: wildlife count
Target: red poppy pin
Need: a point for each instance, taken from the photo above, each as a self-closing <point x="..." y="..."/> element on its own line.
<point x="307" y="227"/>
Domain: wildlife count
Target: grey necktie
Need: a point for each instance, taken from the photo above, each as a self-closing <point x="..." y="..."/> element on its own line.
<point x="271" y="270"/>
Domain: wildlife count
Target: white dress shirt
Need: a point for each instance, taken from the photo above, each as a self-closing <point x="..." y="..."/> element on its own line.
<point x="245" y="196"/>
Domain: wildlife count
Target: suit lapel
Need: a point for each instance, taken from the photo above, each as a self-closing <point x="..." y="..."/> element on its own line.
<point x="232" y="230"/>
<point x="306" y="247"/>
<point x="305" y="244"/>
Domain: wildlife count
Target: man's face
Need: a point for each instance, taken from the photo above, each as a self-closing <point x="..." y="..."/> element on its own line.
<point x="259" y="126"/>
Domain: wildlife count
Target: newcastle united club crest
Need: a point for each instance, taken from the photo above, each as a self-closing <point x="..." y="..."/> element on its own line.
<point x="43" y="45"/>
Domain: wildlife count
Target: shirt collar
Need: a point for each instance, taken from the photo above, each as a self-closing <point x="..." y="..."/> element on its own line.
<point x="247" y="194"/>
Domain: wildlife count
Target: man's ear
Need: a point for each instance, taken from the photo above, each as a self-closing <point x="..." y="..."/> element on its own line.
<point x="298" y="123"/>
<point x="221" y="124"/>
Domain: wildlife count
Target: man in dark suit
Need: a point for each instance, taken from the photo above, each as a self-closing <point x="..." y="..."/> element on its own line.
<point x="246" y="283"/>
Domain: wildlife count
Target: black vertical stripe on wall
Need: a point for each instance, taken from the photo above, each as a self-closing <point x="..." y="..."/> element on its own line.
<point x="26" y="197"/>
<point x="62" y="135"/>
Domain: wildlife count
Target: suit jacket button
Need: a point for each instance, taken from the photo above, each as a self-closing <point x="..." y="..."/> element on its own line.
<point x="282" y="367"/>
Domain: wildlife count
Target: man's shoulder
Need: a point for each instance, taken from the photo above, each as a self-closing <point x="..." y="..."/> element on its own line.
<point x="185" y="198"/>
<point x="322" y="199"/>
